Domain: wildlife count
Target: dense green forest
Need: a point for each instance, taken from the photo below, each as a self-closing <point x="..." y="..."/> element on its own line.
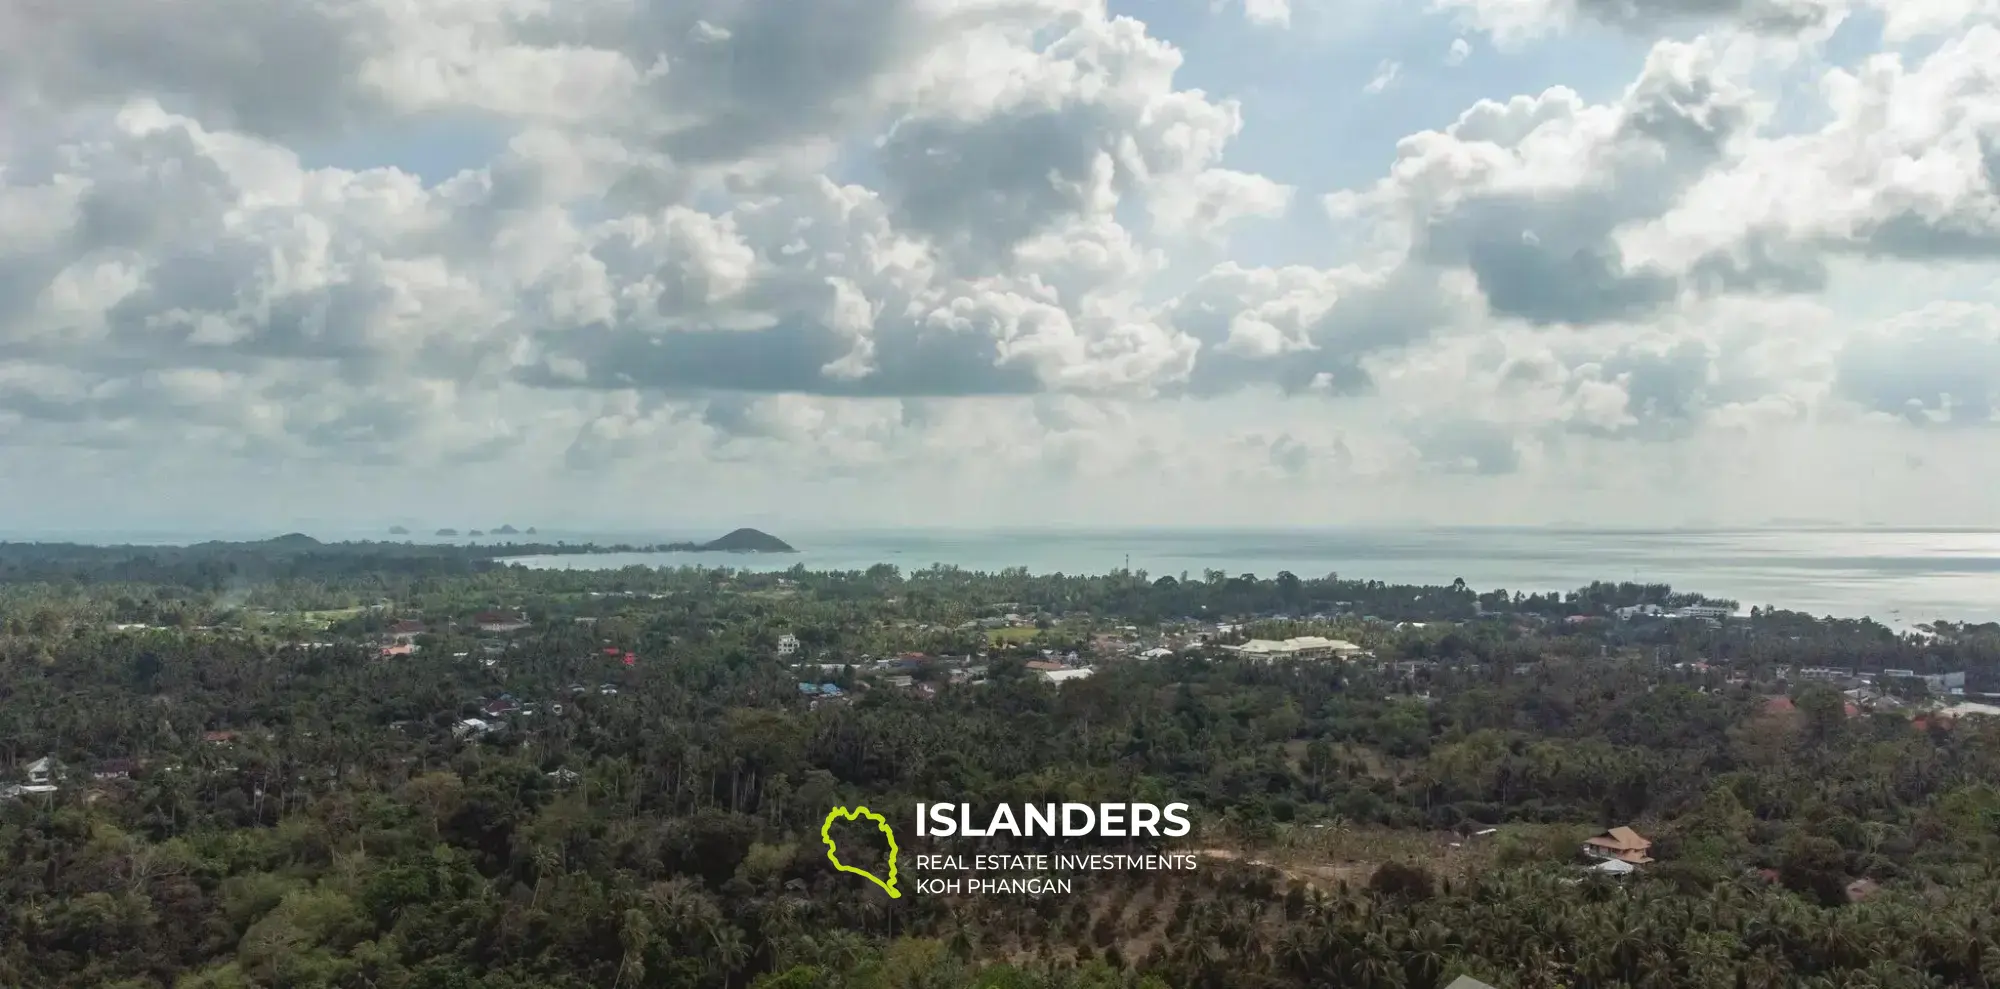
<point x="304" y="811"/>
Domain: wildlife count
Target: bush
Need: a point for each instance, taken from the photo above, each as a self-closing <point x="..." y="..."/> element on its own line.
<point x="1402" y="881"/>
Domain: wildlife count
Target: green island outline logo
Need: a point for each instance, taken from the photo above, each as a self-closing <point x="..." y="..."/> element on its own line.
<point x="832" y="854"/>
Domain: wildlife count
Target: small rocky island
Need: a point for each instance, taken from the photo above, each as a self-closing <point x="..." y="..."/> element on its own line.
<point x="447" y="532"/>
<point x="397" y="530"/>
<point x="508" y="530"/>
<point x="740" y="541"/>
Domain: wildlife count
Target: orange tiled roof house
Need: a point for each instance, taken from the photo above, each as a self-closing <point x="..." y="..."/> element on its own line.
<point x="1621" y="843"/>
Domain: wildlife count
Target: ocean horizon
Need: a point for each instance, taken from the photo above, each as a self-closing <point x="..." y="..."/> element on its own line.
<point x="1897" y="575"/>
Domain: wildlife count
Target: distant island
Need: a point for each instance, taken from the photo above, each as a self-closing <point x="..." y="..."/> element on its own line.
<point x="740" y="541"/>
<point x="505" y="530"/>
<point x="296" y="553"/>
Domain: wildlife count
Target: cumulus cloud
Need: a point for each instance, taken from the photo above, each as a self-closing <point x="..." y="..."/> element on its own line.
<point x="1268" y="13"/>
<point x="1937" y="366"/>
<point x="1516" y="20"/>
<point x="1529" y="195"/>
<point x="1908" y="167"/>
<point x="974" y="245"/>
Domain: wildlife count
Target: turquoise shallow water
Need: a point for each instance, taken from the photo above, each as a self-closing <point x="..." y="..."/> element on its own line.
<point x="1897" y="576"/>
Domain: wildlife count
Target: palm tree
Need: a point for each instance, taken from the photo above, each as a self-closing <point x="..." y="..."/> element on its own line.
<point x="634" y="935"/>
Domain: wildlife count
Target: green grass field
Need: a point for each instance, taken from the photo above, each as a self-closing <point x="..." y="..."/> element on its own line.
<point x="1007" y="636"/>
<point x="321" y="619"/>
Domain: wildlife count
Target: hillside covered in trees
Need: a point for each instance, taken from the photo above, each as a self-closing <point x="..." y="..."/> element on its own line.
<point x="264" y="777"/>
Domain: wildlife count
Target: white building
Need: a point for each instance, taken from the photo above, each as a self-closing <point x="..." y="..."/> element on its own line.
<point x="1300" y="647"/>
<point x="43" y="772"/>
<point x="1938" y="683"/>
<point x="1712" y="612"/>
<point x="43" y="776"/>
<point x="788" y="644"/>
<point x="1062" y="676"/>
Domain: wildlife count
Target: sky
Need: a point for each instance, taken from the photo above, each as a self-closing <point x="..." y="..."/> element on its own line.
<point x="670" y="263"/>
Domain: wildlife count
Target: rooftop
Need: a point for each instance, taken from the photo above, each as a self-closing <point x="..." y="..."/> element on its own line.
<point x="1296" y="644"/>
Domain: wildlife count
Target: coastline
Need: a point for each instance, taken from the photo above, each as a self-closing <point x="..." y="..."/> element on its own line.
<point x="1898" y="577"/>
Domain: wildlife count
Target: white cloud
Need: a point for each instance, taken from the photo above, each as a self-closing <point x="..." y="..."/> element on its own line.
<point x="1268" y="13"/>
<point x="997" y="258"/>
<point x="1513" y="21"/>
<point x="1384" y="77"/>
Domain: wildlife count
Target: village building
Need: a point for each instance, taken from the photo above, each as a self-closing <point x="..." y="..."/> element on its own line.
<point x="43" y="772"/>
<point x="115" y="769"/>
<point x="1620" y="844"/>
<point x="1298" y="647"/>
<point x="1948" y="684"/>
<point x="499" y="623"/>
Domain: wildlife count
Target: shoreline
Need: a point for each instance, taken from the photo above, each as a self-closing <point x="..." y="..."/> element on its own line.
<point x="1900" y="580"/>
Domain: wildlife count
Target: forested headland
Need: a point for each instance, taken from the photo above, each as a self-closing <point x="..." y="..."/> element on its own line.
<point x="382" y="765"/>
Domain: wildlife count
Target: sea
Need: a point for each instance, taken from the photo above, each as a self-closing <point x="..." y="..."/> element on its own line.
<point x="1898" y="576"/>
